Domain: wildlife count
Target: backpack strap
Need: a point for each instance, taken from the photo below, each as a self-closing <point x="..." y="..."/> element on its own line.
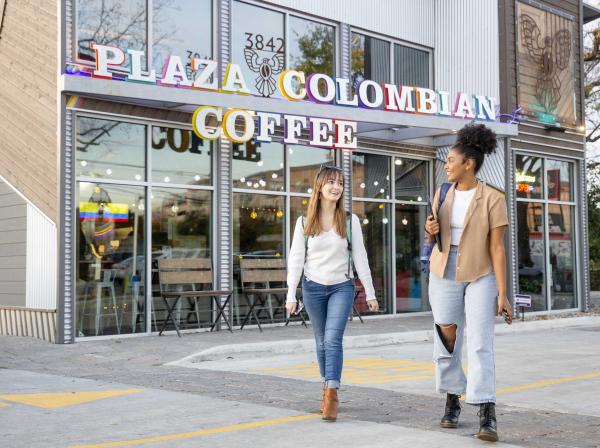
<point x="305" y="240"/>
<point x="444" y="188"/>
<point x="350" y="274"/>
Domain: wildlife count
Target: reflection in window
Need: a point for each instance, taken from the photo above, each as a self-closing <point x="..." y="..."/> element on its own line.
<point x="411" y="66"/>
<point x="305" y="162"/>
<point x="258" y="233"/>
<point x="258" y="166"/>
<point x="410" y="295"/>
<point x="112" y="22"/>
<point x="179" y="156"/>
<point x="110" y="149"/>
<point x="528" y="177"/>
<point x="298" y="207"/>
<point x="258" y="46"/>
<point x="411" y="179"/>
<point x="311" y="46"/>
<point x="181" y="228"/>
<point x="110" y="259"/>
<point x="532" y="253"/>
<point x="375" y="219"/>
<point x="182" y="28"/>
<point x="562" y="255"/>
<point x="559" y="181"/>
<point x="370" y="59"/>
<point x="370" y="176"/>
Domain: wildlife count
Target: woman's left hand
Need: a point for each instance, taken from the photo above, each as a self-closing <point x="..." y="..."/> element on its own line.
<point x="373" y="304"/>
<point x="504" y="304"/>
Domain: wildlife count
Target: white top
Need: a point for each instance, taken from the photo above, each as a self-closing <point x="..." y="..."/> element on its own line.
<point x="462" y="200"/>
<point x="327" y="259"/>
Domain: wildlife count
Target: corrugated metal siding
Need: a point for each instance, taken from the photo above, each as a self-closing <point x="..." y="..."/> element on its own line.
<point x="13" y="241"/>
<point x="466" y="46"/>
<point x="410" y="20"/>
<point x="224" y="187"/>
<point x="492" y="171"/>
<point x="40" y="324"/>
<point x="41" y="261"/>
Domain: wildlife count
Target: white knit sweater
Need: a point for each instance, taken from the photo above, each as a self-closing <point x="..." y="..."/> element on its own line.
<point x="327" y="259"/>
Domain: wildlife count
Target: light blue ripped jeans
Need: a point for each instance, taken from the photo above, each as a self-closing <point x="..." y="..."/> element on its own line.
<point x="451" y="302"/>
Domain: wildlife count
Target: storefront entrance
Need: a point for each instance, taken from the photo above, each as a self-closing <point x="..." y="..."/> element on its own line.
<point x="546" y="232"/>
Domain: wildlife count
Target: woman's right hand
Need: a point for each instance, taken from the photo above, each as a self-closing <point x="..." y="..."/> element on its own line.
<point x="432" y="227"/>
<point x="291" y="307"/>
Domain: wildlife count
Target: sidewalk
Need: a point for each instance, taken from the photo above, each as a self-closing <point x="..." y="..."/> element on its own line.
<point x="204" y="346"/>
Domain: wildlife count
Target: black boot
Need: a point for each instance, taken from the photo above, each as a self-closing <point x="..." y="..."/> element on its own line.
<point x="450" y="418"/>
<point x="487" y="422"/>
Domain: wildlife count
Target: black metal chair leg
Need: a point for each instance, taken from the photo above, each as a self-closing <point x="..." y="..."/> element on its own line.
<point x="170" y="315"/>
<point x="221" y="313"/>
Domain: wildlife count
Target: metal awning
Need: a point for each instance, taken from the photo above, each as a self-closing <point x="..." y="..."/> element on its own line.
<point x="377" y="124"/>
<point x="590" y="13"/>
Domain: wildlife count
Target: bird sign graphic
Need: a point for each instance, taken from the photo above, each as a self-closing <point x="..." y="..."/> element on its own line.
<point x="267" y="69"/>
<point x="551" y="54"/>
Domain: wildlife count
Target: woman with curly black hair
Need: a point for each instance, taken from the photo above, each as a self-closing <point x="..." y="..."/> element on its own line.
<point x="467" y="284"/>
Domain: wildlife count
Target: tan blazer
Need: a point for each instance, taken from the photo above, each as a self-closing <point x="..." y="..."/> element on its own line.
<point x="486" y="211"/>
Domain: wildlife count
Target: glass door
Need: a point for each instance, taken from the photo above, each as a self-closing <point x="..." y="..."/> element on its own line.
<point x="546" y="232"/>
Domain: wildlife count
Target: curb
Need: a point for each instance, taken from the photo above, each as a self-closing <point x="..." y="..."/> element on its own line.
<point x="371" y="340"/>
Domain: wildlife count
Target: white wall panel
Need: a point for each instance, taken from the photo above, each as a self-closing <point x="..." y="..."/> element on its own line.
<point x="41" y="260"/>
<point x="466" y="46"/>
<point x="410" y="20"/>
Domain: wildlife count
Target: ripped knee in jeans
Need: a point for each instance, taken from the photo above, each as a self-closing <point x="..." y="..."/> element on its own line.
<point x="447" y="333"/>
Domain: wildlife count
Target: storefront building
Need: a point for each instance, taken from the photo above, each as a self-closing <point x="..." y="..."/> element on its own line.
<point x="132" y="176"/>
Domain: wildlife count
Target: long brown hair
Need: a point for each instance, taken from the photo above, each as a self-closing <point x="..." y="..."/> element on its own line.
<point x="313" y="226"/>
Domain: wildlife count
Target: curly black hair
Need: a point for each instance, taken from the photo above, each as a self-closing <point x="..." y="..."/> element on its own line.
<point x="474" y="141"/>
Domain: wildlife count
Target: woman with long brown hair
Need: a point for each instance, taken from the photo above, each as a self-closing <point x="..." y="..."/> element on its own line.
<point x="325" y="245"/>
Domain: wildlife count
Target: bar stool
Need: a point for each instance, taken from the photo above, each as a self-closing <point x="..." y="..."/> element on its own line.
<point x="107" y="284"/>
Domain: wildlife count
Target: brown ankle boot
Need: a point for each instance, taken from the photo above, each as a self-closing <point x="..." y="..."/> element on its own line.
<point x="330" y="404"/>
<point x="322" y="399"/>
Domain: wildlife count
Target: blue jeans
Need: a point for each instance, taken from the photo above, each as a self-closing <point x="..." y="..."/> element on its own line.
<point x="328" y="307"/>
<point x="473" y="304"/>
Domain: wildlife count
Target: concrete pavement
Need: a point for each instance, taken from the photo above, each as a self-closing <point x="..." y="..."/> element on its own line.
<point x="128" y="392"/>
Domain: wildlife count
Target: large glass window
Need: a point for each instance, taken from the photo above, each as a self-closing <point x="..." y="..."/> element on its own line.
<point x="410" y="220"/>
<point x="311" y="46"/>
<point x="258" y="233"/>
<point x="371" y="175"/>
<point x="258" y="46"/>
<point x="179" y="156"/>
<point x="181" y="228"/>
<point x="375" y="219"/>
<point x="411" y="66"/>
<point x="559" y="180"/>
<point x="110" y="259"/>
<point x="304" y="162"/>
<point x="179" y="27"/>
<point x="182" y="28"/>
<point x="258" y="166"/>
<point x="532" y="253"/>
<point x="370" y="59"/>
<point x="110" y="22"/>
<point x="110" y="149"/>
<point x="528" y="177"/>
<point x="546" y="232"/>
<point x="112" y="271"/>
<point x="411" y="179"/>
<point x="562" y="255"/>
